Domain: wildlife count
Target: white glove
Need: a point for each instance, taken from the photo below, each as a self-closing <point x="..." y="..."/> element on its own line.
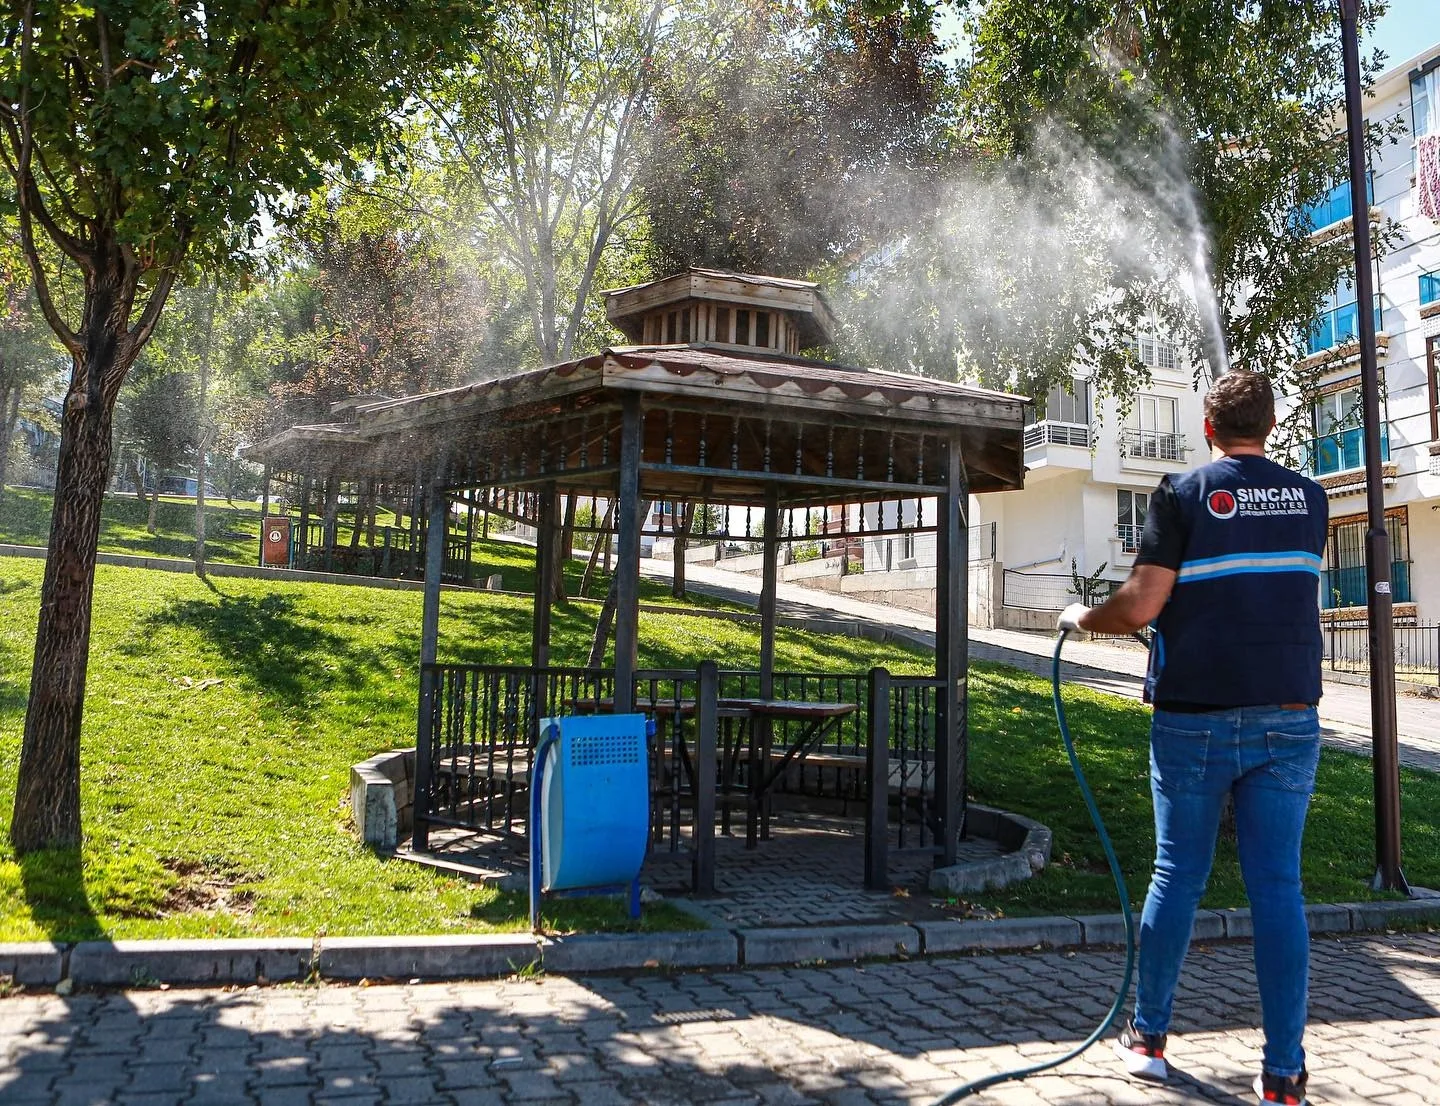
<point x="1071" y="615"/>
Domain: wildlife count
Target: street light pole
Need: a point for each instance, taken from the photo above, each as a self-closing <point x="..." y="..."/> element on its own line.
<point x="1385" y="758"/>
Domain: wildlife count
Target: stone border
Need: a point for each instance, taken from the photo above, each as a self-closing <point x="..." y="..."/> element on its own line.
<point x="1026" y="841"/>
<point x="496" y="955"/>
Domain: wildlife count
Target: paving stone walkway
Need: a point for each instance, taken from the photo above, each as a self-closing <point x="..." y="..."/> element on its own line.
<point x="893" y="1032"/>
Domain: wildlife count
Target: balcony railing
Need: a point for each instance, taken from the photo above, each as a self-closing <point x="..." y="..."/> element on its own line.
<point x="1335" y="328"/>
<point x="1160" y="445"/>
<point x="1334" y="206"/>
<point x="1345" y="587"/>
<point x="1129" y="535"/>
<point x="1341" y="451"/>
<point x="1429" y="288"/>
<point x="1057" y="433"/>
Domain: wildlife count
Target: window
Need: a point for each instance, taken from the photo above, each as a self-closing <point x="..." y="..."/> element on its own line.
<point x="671" y="323"/>
<point x="1150" y="430"/>
<point x="1425" y="101"/>
<point x="1429" y="288"/>
<point x="1154" y="352"/>
<point x="1339" y="320"/>
<point x="742" y="328"/>
<point x="1130" y="518"/>
<point x="1432" y="371"/>
<point x="762" y="328"/>
<point x="1065" y="403"/>
<point x="1339" y="444"/>
<point x="1338" y="411"/>
<point x="1342" y="584"/>
<point x="722" y="324"/>
<point x="1334" y="205"/>
<point x="685" y="325"/>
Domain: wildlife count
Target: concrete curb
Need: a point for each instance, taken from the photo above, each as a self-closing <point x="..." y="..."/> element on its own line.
<point x="481" y="956"/>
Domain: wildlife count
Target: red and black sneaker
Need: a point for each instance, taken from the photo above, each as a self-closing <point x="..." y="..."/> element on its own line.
<point x="1143" y="1053"/>
<point x="1288" y="1090"/>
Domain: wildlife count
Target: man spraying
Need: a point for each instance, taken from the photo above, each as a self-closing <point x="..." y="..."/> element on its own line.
<point x="1228" y="573"/>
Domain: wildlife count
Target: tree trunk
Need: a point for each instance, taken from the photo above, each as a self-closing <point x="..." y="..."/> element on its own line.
<point x="9" y="416"/>
<point x="602" y="538"/>
<point x="154" y="507"/>
<point x="560" y="553"/>
<point x="139" y="479"/>
<point x="47" y="790"/>
<point x="204" y="435"/>
<point x="682" y="543"/>
<point x="603" y="624"/>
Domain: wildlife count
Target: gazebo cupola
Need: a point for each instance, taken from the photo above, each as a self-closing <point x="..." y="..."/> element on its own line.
<point x="735" y="310"/>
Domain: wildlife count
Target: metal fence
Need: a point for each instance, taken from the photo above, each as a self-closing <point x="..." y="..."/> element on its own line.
<point x="1417" y="651"/>
<point x="982" y="542"/>
<point x="1047" y="591"/>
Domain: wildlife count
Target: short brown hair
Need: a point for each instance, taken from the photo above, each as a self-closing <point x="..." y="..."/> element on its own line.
<point x="1240" y="407"/>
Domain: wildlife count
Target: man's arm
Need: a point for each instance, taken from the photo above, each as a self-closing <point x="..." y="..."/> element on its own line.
<point x="1136" y="603"/>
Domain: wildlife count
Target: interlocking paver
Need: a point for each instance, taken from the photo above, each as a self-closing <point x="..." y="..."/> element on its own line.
<point x="896" y="1032"/>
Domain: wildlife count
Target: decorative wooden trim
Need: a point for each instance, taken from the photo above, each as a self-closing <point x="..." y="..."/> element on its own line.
<point x="1362" y="516"/>
<point x="1350" y="483"/>
<point x="1342" y="355"/>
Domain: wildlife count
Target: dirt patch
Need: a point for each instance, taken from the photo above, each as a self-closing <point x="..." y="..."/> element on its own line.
<point x="203" y="887"/>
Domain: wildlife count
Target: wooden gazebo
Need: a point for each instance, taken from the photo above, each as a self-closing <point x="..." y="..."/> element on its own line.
<point x="712" y="405"/>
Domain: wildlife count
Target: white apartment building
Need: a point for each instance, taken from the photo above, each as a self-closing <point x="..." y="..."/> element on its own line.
<point x="1407" y="318"/>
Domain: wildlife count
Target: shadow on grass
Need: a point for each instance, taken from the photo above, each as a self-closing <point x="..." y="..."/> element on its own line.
<point x="265" y="639"/>
<point x="54" y="883"/>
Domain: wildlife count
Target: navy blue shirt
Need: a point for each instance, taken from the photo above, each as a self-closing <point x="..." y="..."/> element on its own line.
<point x="1242" y="625"/>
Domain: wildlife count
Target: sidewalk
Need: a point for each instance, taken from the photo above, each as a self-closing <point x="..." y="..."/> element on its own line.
<point x="1103" y="665"/>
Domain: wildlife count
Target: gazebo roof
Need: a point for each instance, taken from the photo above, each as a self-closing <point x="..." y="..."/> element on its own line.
<point x="838" y="424"/>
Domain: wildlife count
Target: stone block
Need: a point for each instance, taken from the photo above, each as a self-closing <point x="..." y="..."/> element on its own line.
<point x="123" y="963"/>
<point x="998" y="933"/>
<point x="372" y="804"/>
<point x="1238" y="922"/>
<point x="494" y="582"/>
<point x="981" y="875"/>
<point x="1384" y="915"/>
<point x="796" y="945"/>
<point x="1326" y="917"/>
<point x="1209" y="926"/>
<point x="468" y="956"/>
<point x="1105" y="929"/>
<point x="33" y="963"/>
<point x="603" y="952"/>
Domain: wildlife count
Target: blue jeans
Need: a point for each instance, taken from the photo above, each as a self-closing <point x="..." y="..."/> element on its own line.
<point x="1265" y="758"/>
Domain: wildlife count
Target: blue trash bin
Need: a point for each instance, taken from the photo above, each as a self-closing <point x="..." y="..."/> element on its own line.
<point x="589" y="807"/>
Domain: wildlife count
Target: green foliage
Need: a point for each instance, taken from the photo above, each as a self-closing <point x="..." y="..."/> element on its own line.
<point x="1212" y="122"/>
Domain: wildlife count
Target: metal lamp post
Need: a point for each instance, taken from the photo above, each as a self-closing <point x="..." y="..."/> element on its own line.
<point x="1385" y="757"/>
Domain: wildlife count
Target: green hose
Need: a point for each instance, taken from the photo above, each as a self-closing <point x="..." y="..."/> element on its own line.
<point x="968" y="1089"/>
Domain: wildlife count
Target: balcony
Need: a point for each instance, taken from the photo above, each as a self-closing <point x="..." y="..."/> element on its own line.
<point x="1346" y="587"/>
<point x="1342" y="451"/>
<point x="1053" y="447"/>
<point x="1128" y="535"/>
<point x="1152" y="445"/>
<point x="1429" y="295"/>
<point x="1339" y="327"/>
<point x="1328" y="216"/>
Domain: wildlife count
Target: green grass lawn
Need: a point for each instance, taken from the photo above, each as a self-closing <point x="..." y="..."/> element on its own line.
<point x="220" y="725"/>
<point x="1018" y="763"/>
<point x="222" y="718"/>
<point x="232" y="535"/>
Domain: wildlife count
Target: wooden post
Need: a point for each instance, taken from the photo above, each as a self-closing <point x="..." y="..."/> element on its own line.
<point x="469" y="500"/>
<point x="302" y="547"/>
<point x="627" y="556"/>
<point x="544" y="577"/>
<point x="706" y="732"/>
<point x="264" y="509"/>
<point x="769" y="585"/>
<point x="415" y="493"/>
<point x="429" y="650"/>
<point x="877" y="775"/>
<point x="951" y="654"/>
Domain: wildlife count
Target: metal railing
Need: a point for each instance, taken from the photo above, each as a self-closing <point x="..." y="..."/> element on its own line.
<point x="1338" y="326"/>
<point x="1041" y="591"/>
<point x="480" y="725"/>
<point x="1129" y="535"/>
<point x="1046" y="432"/>
<point x="1159" y="445"/>
<point x="982" y="542"/>
<point x="1340" y="451"/>
<point x="1417" y="650"/>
